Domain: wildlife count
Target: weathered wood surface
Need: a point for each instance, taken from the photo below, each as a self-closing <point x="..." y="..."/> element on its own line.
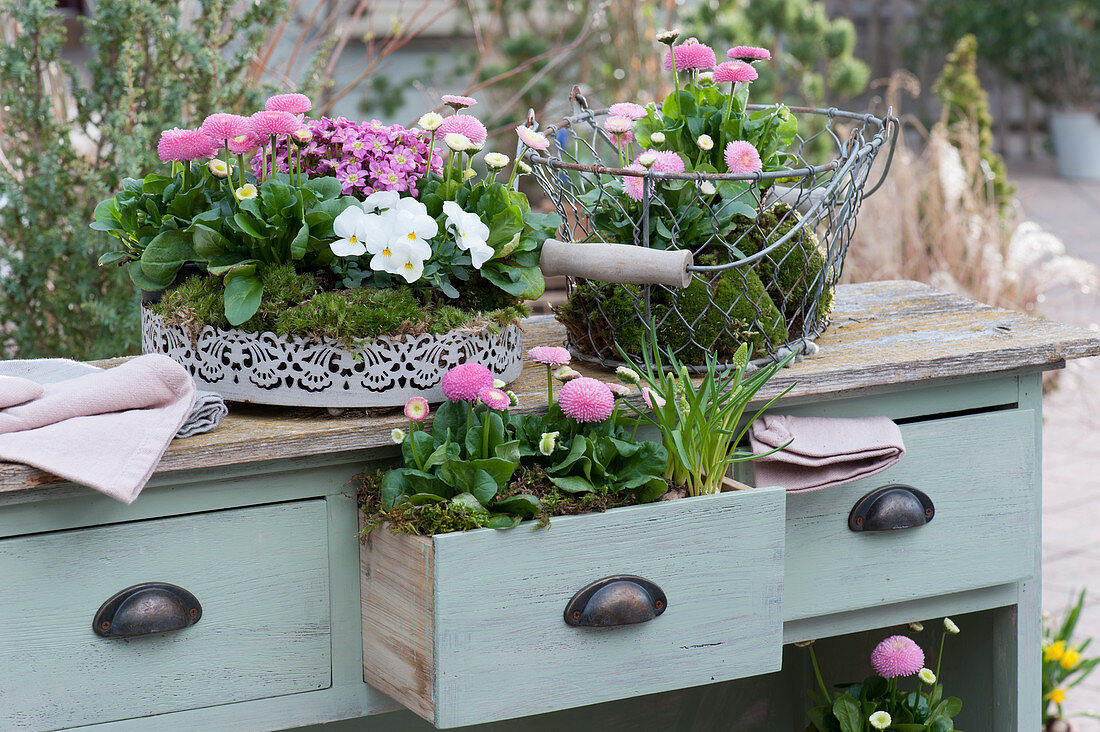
<point x="261" y="575"/>
<point x="980" y="472"/>
<point x="881" y="333"/>
<point x="499" y="597"/>
<point x="398" y="597"/>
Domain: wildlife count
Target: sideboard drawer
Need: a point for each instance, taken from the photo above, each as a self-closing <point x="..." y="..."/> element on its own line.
<point x="260" y="575"/>
<point x="981" y="474"/>
<point x="470" y="627"/>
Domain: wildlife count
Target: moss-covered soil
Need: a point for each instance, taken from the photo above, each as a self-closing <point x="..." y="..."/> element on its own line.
<point x="441" y="518"/>
<point x="297" y="304"/>
<point x="762" y="304"/>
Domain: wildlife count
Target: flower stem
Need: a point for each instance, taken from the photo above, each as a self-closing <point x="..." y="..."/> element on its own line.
<point x="431" y="150"/>
<point x="228" y="168"/>
<point x="416" y="454"/>
<point x="820" y="681"/>
<point x="549" y="386"/>
<point x="240" y="167"/>
<point x="273" y="157"/>
<point x="675" y="78"/>
<point x="939" y="658"/>
<point x="485" y="433"/>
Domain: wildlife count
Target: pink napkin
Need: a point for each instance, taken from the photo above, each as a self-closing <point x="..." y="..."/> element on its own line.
<point x="106" y="430"/>
<point x="823" y="451"/>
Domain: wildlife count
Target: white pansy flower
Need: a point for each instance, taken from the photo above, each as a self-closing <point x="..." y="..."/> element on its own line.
<point x="350" y="226"/>
<point x="496" y="160"/>
<point x="406" y="248"/>
<point x="430" y="121"/>
<point x="392" y="200"/>
<point x="470" y="232"/>
<point x="457" y="141"/>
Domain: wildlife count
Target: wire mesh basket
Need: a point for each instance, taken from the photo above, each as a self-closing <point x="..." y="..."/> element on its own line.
<point x="767" y="248"/>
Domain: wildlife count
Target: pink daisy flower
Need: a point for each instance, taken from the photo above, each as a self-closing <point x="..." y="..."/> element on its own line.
<point x="457" y="101"/>
<point x="416" y="409"/>
<point x="586" y="400"/>
<point x="464" y="124"/>
<point x="222" y="126"/>
<point x="494" y="398"/>
<point x="634" y="185"/>
<point x="668" y="162"/>
<point x="532" y="139"/>
<point x="618" y="125"/>
<point x="184" y="145"/>
<point x="749" y="53"/>
<point x="897" y="656"/>
<point x="735" y="71"/>
<point x="691" y="54"/>
<point x="630" y="110"/>
<point x="271" y="122"/>
<point x="291" y="103"/>
<point x="622" y="140"/>
<point x="464" y="383"/>
<point x="742" y="157"/>
<point x="243" y="144"/>
<point x="549" y="355"/>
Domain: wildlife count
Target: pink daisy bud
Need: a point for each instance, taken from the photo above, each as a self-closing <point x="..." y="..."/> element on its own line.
<point x="302" y="136"/>
<point x="742" y="157"/>
<point x="464" y="124"/>
<point x="532" y="139"/>
<point x="668" y="162"/>
<point x="463" y="383"/>
<point x="619" y="390"/>
<point x="691" y="54"/>
<point x="897" y="656"/>
<point x="494" y="398"/>
<point x="549" y="355"/>
<point x="652" y="399"/>
<point x="749" y="53"/>
<point x="630" y="110"/>
<point x="184" y="145"/>
<point x="586" y="400"/>
<point x="566" y="373"/>
<point x="271" y="122"/>
<point x="291" y="103"/>
<point x="618" y="125"/>
<point x="243" y="144"/>
<point x="735" y="71"/>
<point x="416" y="409"/>
<point x="222" y="126"/>
<point x="457" y="101"/>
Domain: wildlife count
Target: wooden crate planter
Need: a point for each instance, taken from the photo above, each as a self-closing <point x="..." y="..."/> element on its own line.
<point x="465" y="628"/>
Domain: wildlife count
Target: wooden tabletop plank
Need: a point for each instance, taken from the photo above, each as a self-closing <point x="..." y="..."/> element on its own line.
<point x="881" y="333"/>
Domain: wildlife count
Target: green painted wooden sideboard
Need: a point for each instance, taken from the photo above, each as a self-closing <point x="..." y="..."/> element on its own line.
<point x="258" y="520"/>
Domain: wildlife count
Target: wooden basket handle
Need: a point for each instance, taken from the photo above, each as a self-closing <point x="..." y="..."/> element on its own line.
<point x="622" y="263"/>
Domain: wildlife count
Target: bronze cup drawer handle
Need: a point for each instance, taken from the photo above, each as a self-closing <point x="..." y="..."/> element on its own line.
<point x="619" y="600"/>
<point x="151" y="607"/>
<point x="891" y="508"/>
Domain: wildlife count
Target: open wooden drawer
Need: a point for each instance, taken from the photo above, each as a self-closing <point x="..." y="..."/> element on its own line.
<point x="470" y="627"/>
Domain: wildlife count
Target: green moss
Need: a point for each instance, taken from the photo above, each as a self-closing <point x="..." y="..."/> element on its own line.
<point x="297" y="304"/>
<point x="794" y="270"/>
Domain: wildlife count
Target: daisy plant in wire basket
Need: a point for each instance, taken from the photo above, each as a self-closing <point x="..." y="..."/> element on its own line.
<point x="693" y="172"/>
<point x="330" y="227"/>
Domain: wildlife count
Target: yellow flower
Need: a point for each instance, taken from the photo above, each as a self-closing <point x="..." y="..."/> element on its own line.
<point x="1070" y="659"/>
<point x="246" y="192"/>
<point x="1054" y="651"/>
<point x="1057" y="696"/>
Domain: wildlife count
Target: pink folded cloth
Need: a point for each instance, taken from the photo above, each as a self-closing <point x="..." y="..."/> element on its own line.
<point x="106" y="430"/>
<point x="823" y="452"/>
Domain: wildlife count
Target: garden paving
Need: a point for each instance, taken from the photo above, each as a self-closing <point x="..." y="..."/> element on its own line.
<point x="1071" y="424"/>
